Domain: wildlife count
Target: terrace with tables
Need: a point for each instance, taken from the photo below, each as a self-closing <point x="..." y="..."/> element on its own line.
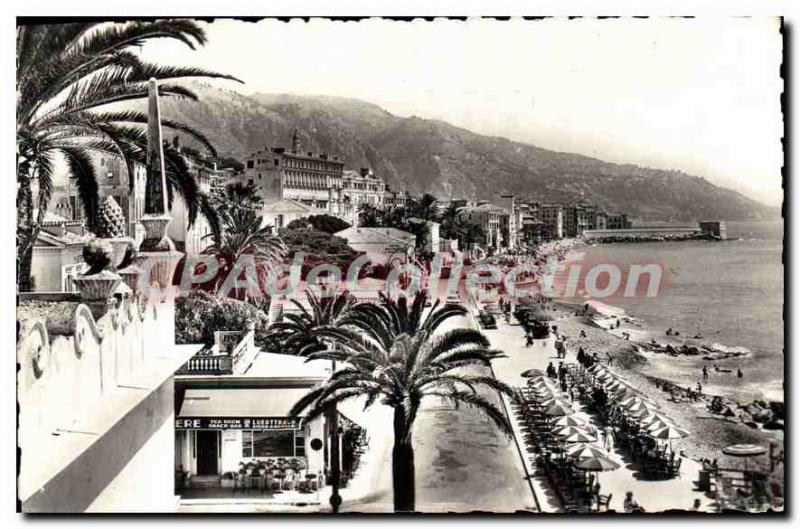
<point x="657" y="477"/>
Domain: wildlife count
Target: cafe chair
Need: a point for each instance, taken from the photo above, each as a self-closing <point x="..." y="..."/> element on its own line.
<point x="603" y="502"/>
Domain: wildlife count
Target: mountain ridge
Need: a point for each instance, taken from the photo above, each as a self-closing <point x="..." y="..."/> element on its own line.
<point x="425" y="155"/>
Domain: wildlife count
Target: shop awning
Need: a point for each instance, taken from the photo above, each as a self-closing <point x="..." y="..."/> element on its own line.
<point x="238" y="408"/>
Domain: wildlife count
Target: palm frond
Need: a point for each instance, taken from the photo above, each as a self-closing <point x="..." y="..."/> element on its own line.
<point x="81" y="167"/>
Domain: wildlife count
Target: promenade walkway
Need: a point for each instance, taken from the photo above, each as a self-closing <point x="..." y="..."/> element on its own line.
<point x="653" y="495"/>
<point x="463" y="464"/>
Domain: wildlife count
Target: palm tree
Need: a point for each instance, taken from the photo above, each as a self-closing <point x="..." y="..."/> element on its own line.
<point x="69" y="79"/>
<point x="243" y="236"/>
<point x="238" y="195"/>
<point x="451" y="221"/>
<point x="424" y="207"/>
<point x="391" y="352"/>
<point x="324" y="311"/>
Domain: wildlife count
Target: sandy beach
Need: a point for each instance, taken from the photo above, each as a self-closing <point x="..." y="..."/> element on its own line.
<point x="710" y="433"/>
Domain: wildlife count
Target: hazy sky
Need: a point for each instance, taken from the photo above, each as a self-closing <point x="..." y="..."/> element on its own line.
<point x="699" y="95"/>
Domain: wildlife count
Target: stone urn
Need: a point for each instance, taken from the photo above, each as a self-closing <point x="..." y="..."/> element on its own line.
<point x="97" y="285"/>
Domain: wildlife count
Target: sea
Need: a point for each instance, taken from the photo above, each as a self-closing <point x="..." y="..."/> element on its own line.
<point x="730" y="293"/>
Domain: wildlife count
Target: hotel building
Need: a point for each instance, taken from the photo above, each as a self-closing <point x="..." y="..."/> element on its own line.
<point x="318" y="181"/>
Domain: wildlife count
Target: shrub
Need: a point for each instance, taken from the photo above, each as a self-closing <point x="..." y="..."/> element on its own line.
<point x="198" y="315"/>
<point x="98" y="254"/>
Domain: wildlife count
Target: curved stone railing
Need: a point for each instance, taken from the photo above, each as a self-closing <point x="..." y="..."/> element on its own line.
<point x="69" y="363"/>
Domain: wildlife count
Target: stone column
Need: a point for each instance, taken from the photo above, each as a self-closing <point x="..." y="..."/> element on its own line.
<point x="157" y="256"/>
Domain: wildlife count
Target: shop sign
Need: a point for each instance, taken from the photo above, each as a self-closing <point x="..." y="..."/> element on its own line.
<point x="237" y="423"/>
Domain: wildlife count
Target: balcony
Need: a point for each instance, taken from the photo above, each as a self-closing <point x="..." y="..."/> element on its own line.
<point x="232" y="353"/>
<point x="207" y="365"/>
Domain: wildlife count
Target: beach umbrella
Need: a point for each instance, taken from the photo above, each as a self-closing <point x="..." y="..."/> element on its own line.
<point x="637" y="412"/>
<point x="635" y="400"/>
<point x="619" y="393"/>
<point x="552" y="401"/>
<point x="542" y="391"/>
<point x="745" y="451"/>
<point x="532" y="373"/>
<point x="567" y="431"/>
<point x="668" y="432"/>
<point x="638" y="407"/>
<point x="540" y="383"/>
<point x="559" y="410"/>
<point x="649" y="418"/>
<point x="569" y="420"/>
<point x="580" y="437"/>
<point x="584" y="450"/>
<point x="658" y="425"/>
<point x="630" y="400"/>
<point x="596" y="367"/>
<point x="604" y="375"/>
<point x="598" y="463"/>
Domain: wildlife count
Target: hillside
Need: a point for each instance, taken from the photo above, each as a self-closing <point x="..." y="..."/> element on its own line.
<point x="423" y="155"/>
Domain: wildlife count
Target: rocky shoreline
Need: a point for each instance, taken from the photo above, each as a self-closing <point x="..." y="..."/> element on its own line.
<point x="715" y="421"/>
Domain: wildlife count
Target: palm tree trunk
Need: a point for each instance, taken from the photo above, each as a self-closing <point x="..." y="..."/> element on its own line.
<point x="402" y="465"/>
<point x="26" y="231"/>
<point x="24" y="263"/>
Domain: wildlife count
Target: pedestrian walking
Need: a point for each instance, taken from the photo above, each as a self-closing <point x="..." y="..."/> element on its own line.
<point x="608" y="440"/>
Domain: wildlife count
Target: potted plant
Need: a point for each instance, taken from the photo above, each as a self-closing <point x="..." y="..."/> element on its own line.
<point x="99" y="282"/>
<point x="227" y="481"/>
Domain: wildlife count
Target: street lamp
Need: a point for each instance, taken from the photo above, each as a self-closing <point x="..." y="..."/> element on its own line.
<point x="333" y="431"/>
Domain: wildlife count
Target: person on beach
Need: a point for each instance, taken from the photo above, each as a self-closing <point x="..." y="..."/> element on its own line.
<point x="581" y="356"/>
<point x="583" y="333"/>
<point x="609" y="359"/>
<point x="562" y="372"/>
<point x="669" y="331"/>
<point x="699" y="389"/>
<point x="705" y="373"/>
<point x="551" y="370"/>
<point x="595" y="358"/>
<point x="739" y="373"/>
